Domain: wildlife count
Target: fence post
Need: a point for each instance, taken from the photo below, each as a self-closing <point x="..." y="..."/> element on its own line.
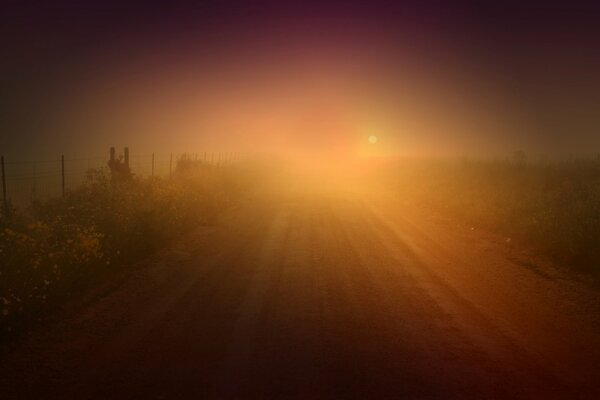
<point x="171" y="165"/>
<point x="34" y="189"/>
<point x="126" y="156"/>
<point x="4" y="203"/>
<point x="62" y="172"/>
<point x="153" y="164"/>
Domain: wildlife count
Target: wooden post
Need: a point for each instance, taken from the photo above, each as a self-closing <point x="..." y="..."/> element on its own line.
<point x="126" y="154"/>
<point x="62" y="172"/>
<point x="5" y="203"/>
<point x="34" y="189"/>
<point x="171" y="165"/>
<point x="152" y="164"/>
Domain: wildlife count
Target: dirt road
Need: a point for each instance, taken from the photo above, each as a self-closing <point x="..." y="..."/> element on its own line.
<point x="324" y="296"/>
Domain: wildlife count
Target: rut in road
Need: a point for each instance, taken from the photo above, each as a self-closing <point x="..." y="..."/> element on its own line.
<point x="307" y="296"/>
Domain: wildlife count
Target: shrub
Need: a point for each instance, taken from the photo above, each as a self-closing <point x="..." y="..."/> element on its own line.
<point x="60" y="246"/>
<point x="552" y="206"/>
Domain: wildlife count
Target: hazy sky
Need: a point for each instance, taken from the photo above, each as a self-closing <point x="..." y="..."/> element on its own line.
<point x="426" y="79"/>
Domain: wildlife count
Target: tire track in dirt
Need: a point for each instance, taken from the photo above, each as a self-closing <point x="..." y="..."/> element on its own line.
<point x="518" y="370"/>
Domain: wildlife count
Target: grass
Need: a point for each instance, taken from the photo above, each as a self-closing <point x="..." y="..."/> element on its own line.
<point x="553" y="206"/>
<point x="56" y="248"/>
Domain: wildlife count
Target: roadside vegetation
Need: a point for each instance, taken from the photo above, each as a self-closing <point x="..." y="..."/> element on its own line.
<point x="553" y="206"/>
<point x="55" y="249"/>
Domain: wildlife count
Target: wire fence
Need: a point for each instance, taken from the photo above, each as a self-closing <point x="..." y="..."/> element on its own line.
<point x="26" y="181"/>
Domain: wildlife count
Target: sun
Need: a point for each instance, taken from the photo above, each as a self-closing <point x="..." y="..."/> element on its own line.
<point x="372" y="139"/>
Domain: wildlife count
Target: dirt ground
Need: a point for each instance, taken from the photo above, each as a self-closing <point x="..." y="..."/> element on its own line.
<point x="324" y="295"/>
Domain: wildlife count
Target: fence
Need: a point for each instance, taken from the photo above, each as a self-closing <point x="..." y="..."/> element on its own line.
<point x="25" y="181"/>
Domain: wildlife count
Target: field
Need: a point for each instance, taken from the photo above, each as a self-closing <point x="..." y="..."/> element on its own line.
<point x="55" y="249"/>
<point x="285" y="280"/>
<point x="552" y="206"/>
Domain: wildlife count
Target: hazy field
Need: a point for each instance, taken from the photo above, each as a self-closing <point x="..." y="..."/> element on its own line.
<point x="285" y="278"/>
<point x="552" y="206"/>
<point x="53" y="249"/>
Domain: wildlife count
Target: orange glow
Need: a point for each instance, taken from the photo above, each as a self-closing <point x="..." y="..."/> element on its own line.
<point x="311" y="101"/>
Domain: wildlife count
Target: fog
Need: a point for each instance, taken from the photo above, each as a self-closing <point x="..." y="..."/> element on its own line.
<point x="426" y="82"/>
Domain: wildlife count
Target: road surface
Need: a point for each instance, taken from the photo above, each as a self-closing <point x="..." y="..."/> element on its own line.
<point x="323" y="295"/>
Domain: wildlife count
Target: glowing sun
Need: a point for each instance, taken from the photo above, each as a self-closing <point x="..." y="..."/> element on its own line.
<point x="372" y="139"/>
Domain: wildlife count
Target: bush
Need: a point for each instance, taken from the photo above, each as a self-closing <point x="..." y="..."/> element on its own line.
<point x="58" y="247"/>
<point x="553" y="206"/>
